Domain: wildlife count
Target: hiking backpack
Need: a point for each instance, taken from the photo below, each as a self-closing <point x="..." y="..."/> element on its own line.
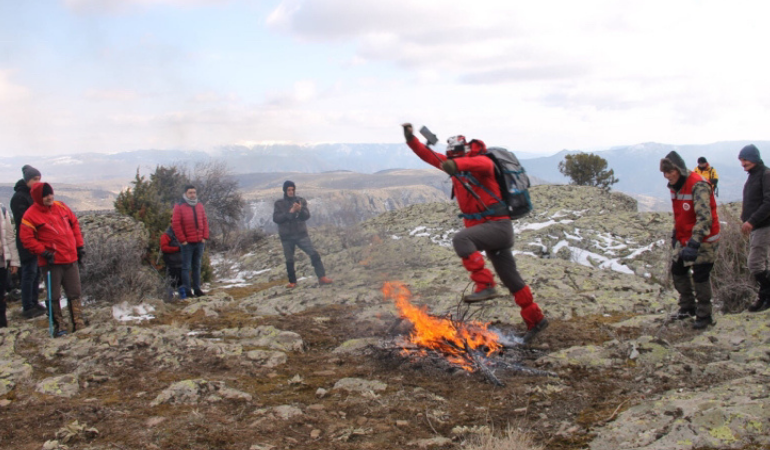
<point x="513" y="181"/>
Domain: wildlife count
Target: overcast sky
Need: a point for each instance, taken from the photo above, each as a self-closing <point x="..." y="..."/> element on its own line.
<point x="535" y="76"/>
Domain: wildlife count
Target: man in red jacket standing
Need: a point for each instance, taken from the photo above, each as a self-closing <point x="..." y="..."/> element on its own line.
<point x="488" y="226"/>
<point x="50" y="230"/>
<point x="191" y="228"/>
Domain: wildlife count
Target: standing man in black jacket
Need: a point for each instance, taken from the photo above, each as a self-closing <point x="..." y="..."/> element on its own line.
<point x="756" y="221"/>
<point x="30" y="273"/>
<point x="290" y="214"/>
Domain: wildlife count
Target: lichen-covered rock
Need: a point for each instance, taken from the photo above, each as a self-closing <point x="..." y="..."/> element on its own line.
<point x="729" y="415"/>
<point x="62" y="386"/>
<point x="194" y="391"/>
<point x="355" y="345"/>
<point x="267" y="359"/>
<point x="286" y="412"/>
<point x="360" y="385"/>
<point x="589" y="356"/>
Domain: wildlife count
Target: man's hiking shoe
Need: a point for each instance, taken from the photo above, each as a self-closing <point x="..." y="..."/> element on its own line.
<point x="759" y="305"/>
<point x="703" y="322"/>
<point x="324" y="280"/>
<point x="683" y="314"/>
<point x="60" y="333"/>
<point x="32" y="313"/>
<point x="291" y="285"/>
<point x="530" y="334"/>
<point x="480" y="296"/>
<point x="198" y="293"/>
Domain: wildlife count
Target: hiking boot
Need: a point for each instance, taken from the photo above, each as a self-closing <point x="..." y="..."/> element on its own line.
<point x="684" y="314"/>
<point x="324" y="280"/>
<point x="480" y="296"/>
<point x="530" y="334"/>
<point x="60" y="333"/>
<point x="703" y="322"/>
<point x="198" y="293"/>
<point x="759" y="305"/>
<point x="291" y="285"/>
<point x="32" y="313"/>
<point x="41" y="308"/>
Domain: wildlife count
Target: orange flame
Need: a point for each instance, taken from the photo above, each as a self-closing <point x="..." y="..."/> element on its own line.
<point x="454" y="340"/>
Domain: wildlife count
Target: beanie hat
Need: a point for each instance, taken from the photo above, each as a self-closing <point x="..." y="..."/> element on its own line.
<point x="29" y="172"/>
<point x="47" y="189"/>
<point x="673" y="161"/>
<point x="702" y="160"/>
<point x="750" y="153"/>
<point x="287" y="184"/>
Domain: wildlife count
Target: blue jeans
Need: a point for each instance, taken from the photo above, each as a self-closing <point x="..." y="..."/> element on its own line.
<point x="30" y="284"/>
<point x="191" y="260"/>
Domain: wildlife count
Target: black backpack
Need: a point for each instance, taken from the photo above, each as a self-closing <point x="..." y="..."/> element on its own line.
<point x="513" y="180"/>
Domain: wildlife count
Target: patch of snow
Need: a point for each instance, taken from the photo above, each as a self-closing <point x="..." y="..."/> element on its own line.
<point x="124" y="312"/>
<point x="417" y="230"/>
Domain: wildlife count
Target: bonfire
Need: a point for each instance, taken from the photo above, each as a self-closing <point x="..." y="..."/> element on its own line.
<point x="470" y="345"/>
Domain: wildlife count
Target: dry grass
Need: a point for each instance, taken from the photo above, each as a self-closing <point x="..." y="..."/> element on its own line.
<point x="511" y="439"/>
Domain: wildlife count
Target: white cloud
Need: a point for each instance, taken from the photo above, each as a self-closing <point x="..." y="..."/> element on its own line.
<point x="124" y="5"/>
<point x="111" y="95"/>
<point x="10" y="91"/>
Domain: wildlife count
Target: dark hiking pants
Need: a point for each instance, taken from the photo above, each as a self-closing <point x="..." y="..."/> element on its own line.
<point x="191" y="266"/>
<point x="30" y="284"/>
<point x="496" y="239"/>
<point x="3" y="282"/>
<point x="304" y="244"/>
<point x="694" y="288"/>
<point x="68" y="277"/>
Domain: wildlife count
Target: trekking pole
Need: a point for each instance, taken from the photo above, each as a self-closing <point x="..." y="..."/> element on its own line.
<point x="50" y="302"/>
<point x="432" y="140"/>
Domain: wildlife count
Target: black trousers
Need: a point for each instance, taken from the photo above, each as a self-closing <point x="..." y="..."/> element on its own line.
<point x="304" y="244"/>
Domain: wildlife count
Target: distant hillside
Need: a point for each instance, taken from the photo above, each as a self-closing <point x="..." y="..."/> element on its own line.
<point x="266" y="166"/>
<point x="637" y="167"/>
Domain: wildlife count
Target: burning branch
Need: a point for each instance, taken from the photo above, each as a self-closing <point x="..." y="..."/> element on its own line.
<point x="467" y="344"/>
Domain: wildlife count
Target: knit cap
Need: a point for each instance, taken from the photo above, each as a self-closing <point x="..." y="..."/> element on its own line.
<point x="30" y="172"/>
<point x="750" y="153"/>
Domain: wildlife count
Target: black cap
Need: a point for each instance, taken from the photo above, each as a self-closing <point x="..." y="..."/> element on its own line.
<point x="702" y="160"/>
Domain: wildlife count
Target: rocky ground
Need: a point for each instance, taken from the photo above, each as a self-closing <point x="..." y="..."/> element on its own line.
<point x="256" y="366"/>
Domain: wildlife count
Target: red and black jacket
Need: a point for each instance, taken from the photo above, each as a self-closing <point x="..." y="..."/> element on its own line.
<point x="684" y="211"/>
<point x="476" y="172"/>
<point x="54" y="228"/>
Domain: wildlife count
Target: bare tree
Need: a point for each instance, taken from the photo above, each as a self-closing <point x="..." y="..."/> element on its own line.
<point x="218" y="189"/>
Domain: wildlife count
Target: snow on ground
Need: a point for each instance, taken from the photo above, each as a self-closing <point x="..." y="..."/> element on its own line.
<point x="124" y="312"/>
<point x="538" y="225"/>
<point x="239" y="280"/>
<point x="590" y="259"/>
<point x="600" y="251"/>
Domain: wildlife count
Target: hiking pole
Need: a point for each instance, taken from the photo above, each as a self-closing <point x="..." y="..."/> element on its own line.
<point x="50" y="302"/>
<point x="432" y="140"/>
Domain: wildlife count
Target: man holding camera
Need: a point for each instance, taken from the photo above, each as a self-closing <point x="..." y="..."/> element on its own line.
<point x="290" y="214"/>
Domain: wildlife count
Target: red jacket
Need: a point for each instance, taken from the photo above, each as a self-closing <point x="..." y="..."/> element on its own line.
<point x="190" y="223"/>
<point x="481" y="169"/>
<point x="684" y="211"/>
<point x="54" y="228"/>
<point x="166" y="244"/>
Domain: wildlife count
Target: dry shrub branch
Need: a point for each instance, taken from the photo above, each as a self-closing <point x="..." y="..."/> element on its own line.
<point x="734" y="287"/>
<point x="112" y="270"/>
